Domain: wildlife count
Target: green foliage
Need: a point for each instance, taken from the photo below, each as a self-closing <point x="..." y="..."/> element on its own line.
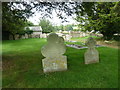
<point x="68" y="27"/>
<point x="14" y="18"/>
<point x="61" y="27"/>
<point x="97" y="16"/>
<point x="28" y="31"/>
<point x="64" y="27"/>
<point x="102" y="19"/>
<point x="116" y="9"/>
<point x="22" y="67"/>
<point x="46" y="26"/>
<point x="15" y="13"/>
<point x="28" y="23"/>
<point x="22" y="32"/>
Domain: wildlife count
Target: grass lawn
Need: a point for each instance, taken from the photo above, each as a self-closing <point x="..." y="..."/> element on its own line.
<point x="22" y="67"/>
<point x="83" y="39"/>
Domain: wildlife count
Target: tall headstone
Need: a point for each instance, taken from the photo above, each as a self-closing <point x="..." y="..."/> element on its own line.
<point x="91" y="55"/>
<point x="53" y="51"/>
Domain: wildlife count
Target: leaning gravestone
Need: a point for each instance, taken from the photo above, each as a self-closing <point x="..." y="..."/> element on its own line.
<point x="53" y="51"/>
<point x="92" y="55"/>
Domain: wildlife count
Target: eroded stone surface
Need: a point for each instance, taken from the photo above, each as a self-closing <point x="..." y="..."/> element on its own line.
<point x="91" y="55"/>
<point x="53" y="51"/>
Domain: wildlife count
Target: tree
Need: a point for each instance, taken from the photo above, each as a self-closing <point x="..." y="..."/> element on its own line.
<point x="68" y="27"/>
<point x="14" y="18"/>
<point x="28" y="23"/>
<point x="102" y="19"/>
<point x="46" y="26"/>
<point x="116" y="9"/>
<point x="22" y="10"/>
<point x="90" y="10"/>
<point x="60" y="27"/>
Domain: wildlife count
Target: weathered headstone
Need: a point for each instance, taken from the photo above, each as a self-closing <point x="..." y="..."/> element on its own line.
<point x="53" y="51"/>
<point x="16" y="37"/>
<point x="43" y="35"/>
<point x="26" y="35"/>
<point x="22" y="37"/>
<point x="10" y="37"/>
<point x="68" y="37"/>
<point x="91" y="55"/>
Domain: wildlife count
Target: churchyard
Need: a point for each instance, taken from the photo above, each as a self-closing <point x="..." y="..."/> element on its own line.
<point x="59" y="44"/>
<point x="22" y="67"/>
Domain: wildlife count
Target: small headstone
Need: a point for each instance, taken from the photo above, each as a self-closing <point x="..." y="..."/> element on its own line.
<point x="53" y="51"/>
<point x="44" y="35"/>
<point x="22" y="37"/>
<point x="91" y="55"/>
<point x="26" y="35"/>
<point x="68" y="37"/>
<point x="10" y="37"/>
<point x="16" y="37"/>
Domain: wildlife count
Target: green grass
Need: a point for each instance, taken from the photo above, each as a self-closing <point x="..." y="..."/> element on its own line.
<point x="83" y="39"/>
<point x="77" y="43"/>
<point x="22" y="67"/>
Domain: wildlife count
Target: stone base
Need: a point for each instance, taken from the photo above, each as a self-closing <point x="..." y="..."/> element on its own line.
<point x="54" y="64"/>
<point x="91" y="56"/>
<point x="92" y="61"/>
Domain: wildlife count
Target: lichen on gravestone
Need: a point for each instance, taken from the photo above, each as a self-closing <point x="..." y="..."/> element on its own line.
<point x="53" y="52"/>
<point x="91" y="55"/>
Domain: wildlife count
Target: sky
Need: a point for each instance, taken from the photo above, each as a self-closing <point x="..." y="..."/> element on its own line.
<point x="35" y="18"/>
<point x="55" y="20"/>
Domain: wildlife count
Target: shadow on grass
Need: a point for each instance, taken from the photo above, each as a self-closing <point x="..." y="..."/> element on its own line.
<point x="22" y="68"/>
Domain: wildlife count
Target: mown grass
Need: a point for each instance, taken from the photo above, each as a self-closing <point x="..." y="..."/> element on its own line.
<point x="22" y="67"/>
<point x="83" y="39"/>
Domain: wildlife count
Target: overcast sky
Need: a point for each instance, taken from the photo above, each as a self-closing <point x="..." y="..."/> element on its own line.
<point x="55" y="20"/>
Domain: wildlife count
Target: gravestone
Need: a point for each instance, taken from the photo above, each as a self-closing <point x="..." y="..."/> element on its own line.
<point x="26" y="35"/>
<point x="43" y="35"/>
<point x="10" y="37"/>
<point x="91" y="55"/>
<point x="53" y="52"/>
<point x="16" y="37"/>
<point x="22" y="37"/>
<point x="68" y="37"/>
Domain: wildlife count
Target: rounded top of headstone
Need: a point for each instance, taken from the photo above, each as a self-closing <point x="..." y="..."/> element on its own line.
<point x="61" y="40"/>
<point x="54" y="47"/>
<point x="91" y="42"/>
<point x="52" y="37"/>
<point x="91" y="38"/>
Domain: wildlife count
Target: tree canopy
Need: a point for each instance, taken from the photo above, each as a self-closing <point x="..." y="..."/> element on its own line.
<point x="98" y="16"/>
<point x="13" y="18"/>
<point x="103" y="18"/>
<point x="46" y="26"/>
